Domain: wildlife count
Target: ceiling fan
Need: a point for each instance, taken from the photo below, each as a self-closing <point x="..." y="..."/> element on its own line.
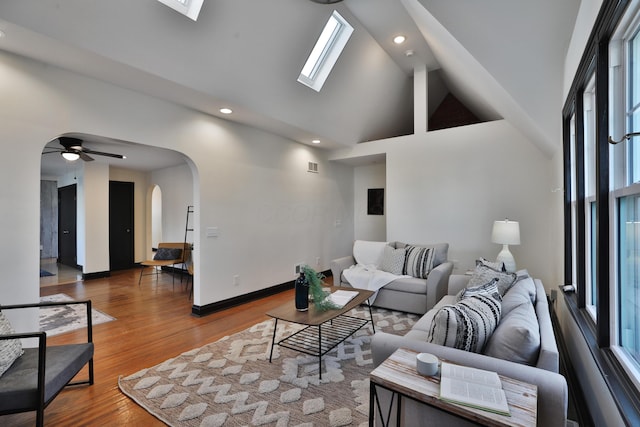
<point x="73" y="150"/>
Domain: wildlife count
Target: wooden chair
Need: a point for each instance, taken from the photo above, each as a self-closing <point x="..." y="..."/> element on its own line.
<point x="40" y="373"/>
<point x="168" y="254"/>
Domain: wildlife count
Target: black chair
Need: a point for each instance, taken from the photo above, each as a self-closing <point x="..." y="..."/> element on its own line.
<point x="35" y="378"/>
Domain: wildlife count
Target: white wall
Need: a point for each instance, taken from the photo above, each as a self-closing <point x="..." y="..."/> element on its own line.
<point x="368" y="227"/>
<point x="251" y="184"/>
<point x="450" y="185"/>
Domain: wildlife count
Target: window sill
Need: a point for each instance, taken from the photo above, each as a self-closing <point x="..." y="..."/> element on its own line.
<point x="623" y="391"/>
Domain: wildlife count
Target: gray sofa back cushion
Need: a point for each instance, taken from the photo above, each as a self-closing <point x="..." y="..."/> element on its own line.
<point x="441" y="250"/>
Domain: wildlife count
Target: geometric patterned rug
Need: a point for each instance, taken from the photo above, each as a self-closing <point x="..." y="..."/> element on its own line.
<point x="60" y="319"/>
<point x="231" y="383"/>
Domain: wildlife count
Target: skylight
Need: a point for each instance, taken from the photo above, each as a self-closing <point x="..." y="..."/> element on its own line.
<point x="325" y="53"/>
<point x="189" y="8"/>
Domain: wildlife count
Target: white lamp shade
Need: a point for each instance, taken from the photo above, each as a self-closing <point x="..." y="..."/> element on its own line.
<point x="506" y="232"/>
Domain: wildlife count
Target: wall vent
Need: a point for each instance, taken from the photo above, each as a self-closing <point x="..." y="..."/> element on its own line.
<point x="313" y="167"/>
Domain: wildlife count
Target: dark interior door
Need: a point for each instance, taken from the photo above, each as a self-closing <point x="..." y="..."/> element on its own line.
<point x="121" y="251"/>
<point x="67" y="246"/>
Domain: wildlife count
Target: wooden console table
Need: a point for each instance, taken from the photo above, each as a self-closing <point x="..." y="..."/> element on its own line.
<point x="398" y="374"/>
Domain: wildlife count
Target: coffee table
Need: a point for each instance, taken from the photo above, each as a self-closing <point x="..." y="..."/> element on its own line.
<point x="324" y="329"/>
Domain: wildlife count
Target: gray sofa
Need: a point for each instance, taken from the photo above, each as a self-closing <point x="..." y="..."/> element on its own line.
<point x="541" y="370"/>
<point x="407" y="294"/>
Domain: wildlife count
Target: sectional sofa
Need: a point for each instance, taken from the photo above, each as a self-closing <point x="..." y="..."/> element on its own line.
<point x="522" y="346"/>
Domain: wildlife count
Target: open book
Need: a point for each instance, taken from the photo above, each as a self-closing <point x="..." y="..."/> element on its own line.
<point x="341" y="298"/>
<point x="472" y="387"/>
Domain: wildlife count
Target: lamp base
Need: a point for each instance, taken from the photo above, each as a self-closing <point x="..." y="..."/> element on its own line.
<point x="507" y="258"/>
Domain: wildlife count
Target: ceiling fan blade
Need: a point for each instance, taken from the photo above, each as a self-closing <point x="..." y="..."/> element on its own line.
<point x="85" y="157"/>
<point x="100" y="153"/>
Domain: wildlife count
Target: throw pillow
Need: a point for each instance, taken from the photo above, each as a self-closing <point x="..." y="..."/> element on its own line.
<point x="483" y="274"/>
<point x="10" y="350"/>
<point x="496" y="265"/>
<point x="466" y="325"/>
<point x="418" y="261"/>
<point x="517" y="337"/>
<point x="393" y="260"/>
<point x="490" y="288"/>
<point x="166" y="254"/>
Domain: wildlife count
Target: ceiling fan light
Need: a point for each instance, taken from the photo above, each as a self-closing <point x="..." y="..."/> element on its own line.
<point x="70" y="155"/>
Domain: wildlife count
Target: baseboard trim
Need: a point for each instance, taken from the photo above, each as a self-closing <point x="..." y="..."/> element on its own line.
<point x="204" y="310"/>
<point x="97" y="275"/>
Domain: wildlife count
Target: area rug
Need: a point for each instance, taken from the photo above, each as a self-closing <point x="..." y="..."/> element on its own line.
<point x="45" y="273"/>
<point x="65" y="318"/>
<point x="231" y="382"/>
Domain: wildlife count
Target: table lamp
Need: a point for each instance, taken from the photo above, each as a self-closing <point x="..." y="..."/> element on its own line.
<point x="506" y="233"/>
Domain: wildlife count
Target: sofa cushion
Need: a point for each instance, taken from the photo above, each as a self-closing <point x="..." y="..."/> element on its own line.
<point x="517" y="337"/>
<point x="522" y="291"/>
<point x="10" y="350"/>
<point x="393" y="260"/>
<point x="418" y="261"/>
<point x="441" y="250"/>
<point x="368" y="253"/>
<point x="483" y="274"/>
<point x="466" y="325"/>
<point x="424" y="323"/>
<point x="167" y="254"/>
<point x="408" y="284"/>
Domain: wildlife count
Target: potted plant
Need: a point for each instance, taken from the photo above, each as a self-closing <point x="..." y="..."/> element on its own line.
<point x="310" y="283"/>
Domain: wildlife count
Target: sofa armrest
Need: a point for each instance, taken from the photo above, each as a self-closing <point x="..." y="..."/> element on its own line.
<point x="457" y="282"/>
<point x="338" y="265"/>
<point x="552" y="387"/>
<point x="438" y="280"/>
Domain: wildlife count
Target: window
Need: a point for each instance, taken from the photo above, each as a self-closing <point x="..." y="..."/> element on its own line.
<point x="189" y="8"/>
<point x="602" y="206"/>
<point x="326" y="51"/>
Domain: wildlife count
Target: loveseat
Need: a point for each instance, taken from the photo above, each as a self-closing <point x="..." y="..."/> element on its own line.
<point x="522" y="346"/>
<point x="413" y="291"/>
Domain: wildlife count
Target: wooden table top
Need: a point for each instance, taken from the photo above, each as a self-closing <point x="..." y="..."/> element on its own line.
<point x="398" y="373"/>
<point x="313" y="316"/>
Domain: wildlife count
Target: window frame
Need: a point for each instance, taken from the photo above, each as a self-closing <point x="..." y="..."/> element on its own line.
<point x="599" y="332"/>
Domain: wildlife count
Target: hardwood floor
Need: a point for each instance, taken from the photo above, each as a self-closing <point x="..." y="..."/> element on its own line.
<point x="154" y="323"/>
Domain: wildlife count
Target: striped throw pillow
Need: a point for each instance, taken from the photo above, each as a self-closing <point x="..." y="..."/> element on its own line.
<point x="10" y="350"/>
<point x="418" y="261"/>
<point x="466" y="325"/>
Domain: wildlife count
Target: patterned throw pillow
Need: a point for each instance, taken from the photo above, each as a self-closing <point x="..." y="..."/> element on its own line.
<point x="496" y="265"/>
<point x="483" y="274"/>
<point x="466" y="325"/>
<point x="418" y="261"/>
<point x="166" y="254"/>
<point x="10" y="350"/>
<point x="393" y="260"/>
<point x="490" y="289"/>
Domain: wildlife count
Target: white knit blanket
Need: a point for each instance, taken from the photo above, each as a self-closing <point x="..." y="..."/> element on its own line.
<point x="369" y="277"/>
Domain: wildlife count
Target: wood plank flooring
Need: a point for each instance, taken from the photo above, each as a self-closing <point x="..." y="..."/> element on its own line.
<point x="154" y="323"/>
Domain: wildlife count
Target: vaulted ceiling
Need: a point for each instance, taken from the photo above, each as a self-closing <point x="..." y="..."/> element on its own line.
<point x="501" y="58"/>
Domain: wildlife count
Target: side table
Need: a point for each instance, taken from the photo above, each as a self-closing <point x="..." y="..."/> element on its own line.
<point x="398" y="375"/>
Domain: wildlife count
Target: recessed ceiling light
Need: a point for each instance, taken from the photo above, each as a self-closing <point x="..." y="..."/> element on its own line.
<point x="226" y="110"/>
<point x="399" y="39"/>
<point x="316" y="141"/>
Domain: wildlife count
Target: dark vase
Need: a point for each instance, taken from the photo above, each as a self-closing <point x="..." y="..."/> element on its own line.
<point x="302" y="293"/>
